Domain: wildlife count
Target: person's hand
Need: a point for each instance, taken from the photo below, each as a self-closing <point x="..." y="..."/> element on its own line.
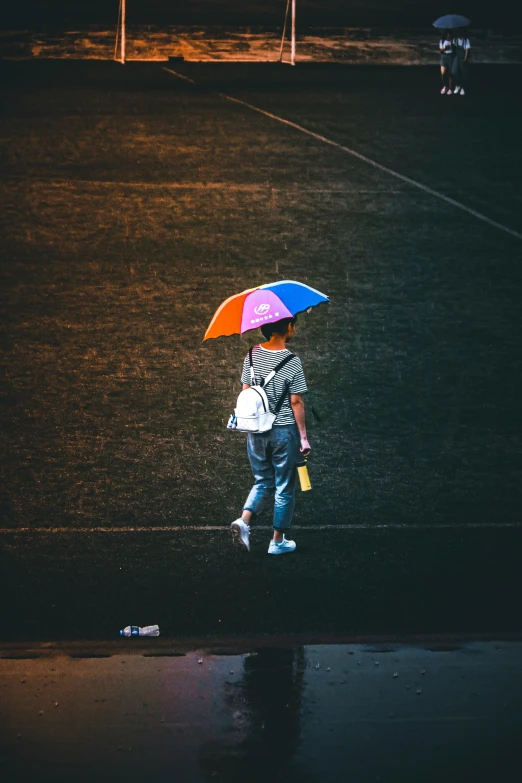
<point x="305" y="447"/>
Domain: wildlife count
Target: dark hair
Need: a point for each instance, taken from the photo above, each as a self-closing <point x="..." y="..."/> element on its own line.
<point x="279" y="327"/>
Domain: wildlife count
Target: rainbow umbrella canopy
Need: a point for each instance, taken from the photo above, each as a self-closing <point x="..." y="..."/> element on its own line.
<point x="252" y="308"/>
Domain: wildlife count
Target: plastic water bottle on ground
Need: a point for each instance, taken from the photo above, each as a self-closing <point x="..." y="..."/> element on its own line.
<point x="135" y="630"/>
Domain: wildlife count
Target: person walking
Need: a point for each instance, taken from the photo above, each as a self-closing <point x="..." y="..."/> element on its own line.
<point x="273" y="454"/>
<point x="447" y="58"/>
<point x="462" y="48"/>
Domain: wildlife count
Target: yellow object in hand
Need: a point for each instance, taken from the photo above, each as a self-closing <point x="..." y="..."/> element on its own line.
<point x="304" y="478"/>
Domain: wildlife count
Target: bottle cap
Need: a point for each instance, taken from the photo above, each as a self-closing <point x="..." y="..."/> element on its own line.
<point x="121" y="633"/>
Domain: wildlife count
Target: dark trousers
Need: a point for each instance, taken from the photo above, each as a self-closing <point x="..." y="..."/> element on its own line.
<point x="460" y="72"/>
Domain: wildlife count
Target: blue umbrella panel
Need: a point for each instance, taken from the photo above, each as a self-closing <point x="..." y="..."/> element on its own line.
<point x="451" y="22"/>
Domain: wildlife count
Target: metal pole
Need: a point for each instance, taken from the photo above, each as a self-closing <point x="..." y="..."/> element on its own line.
<point x="284" y="31"/>
<point x="123" y="30"/>
<point x="293" y="33"/>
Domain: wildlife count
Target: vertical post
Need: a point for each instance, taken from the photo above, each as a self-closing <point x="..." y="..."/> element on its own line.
<point x="123" y="30"/>
<point x="293" y="33"/>
<point x="284" y="32"/>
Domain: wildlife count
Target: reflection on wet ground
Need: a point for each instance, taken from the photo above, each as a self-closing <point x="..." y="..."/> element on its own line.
<point x="265" y="708"/>
<point x="355" y="712"/>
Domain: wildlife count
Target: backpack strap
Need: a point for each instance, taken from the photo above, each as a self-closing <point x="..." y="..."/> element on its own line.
<point x="252" y="374"/>
<point x="286" y="390"/>
<point x="277" y="367"/>
<point x="270" y="376"/>
<point x="261" y="396"/>
<point x="271" y="373"/>
<point x="282" y="397"/>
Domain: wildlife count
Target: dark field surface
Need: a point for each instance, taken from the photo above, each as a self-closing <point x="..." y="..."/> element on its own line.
<point x="133" y="203"/>
<point x="196" y="584"/>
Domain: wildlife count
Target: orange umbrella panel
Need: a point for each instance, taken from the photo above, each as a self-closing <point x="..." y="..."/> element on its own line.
<point x="227" y="318"/>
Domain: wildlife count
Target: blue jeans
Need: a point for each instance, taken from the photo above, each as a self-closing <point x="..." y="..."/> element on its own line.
<point x="272" y="457"/>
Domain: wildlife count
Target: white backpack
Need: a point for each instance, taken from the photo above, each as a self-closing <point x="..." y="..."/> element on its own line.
<point x="252" y="412"/>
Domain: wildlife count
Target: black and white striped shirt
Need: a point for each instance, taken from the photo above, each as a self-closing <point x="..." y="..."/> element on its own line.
<point x="265" y="360"/>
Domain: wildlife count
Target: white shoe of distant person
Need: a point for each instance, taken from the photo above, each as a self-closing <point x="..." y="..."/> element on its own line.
<point x="241" y="531"/>
<point x="456" y="90"/>
<point x="449" y="92"/>
<point x="281" y="547"/>
<point x="443" y="91"/>
<point x="462" y="92"/>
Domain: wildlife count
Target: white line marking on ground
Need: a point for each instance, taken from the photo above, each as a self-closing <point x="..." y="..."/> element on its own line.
<point x="179" y="75"/>
<point x="369" y="161"/>
<point x="415" y="719"/>
<point x="380" y="167"/>
<point x="217" y="528"/>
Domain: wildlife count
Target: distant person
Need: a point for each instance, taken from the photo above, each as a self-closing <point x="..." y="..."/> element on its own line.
<point x="273" y="454"/>
<point x="462" y="48"/>
<point x="447" y="58"/>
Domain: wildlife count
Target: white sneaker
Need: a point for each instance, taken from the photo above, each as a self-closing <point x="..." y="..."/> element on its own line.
<point x="241" y="531"/>
<point x="443" y="91"/>
<point x="462" y="92"/>
<point x="456" y="90"/>
<point x="281" y="547"/>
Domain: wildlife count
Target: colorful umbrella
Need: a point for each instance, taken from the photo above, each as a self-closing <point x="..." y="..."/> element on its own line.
<point x="252" y="308"/>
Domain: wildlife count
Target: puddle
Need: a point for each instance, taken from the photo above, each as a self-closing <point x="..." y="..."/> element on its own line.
<point x="304" y="713"/>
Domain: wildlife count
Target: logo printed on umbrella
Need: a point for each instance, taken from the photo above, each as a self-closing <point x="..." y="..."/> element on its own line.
<point x="261" y="309"/>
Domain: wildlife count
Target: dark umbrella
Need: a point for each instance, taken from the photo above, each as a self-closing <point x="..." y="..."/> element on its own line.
<point x="451" y="22"/>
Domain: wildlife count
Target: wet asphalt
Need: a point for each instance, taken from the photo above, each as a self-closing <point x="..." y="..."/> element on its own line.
<point x="358" y="712"/>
